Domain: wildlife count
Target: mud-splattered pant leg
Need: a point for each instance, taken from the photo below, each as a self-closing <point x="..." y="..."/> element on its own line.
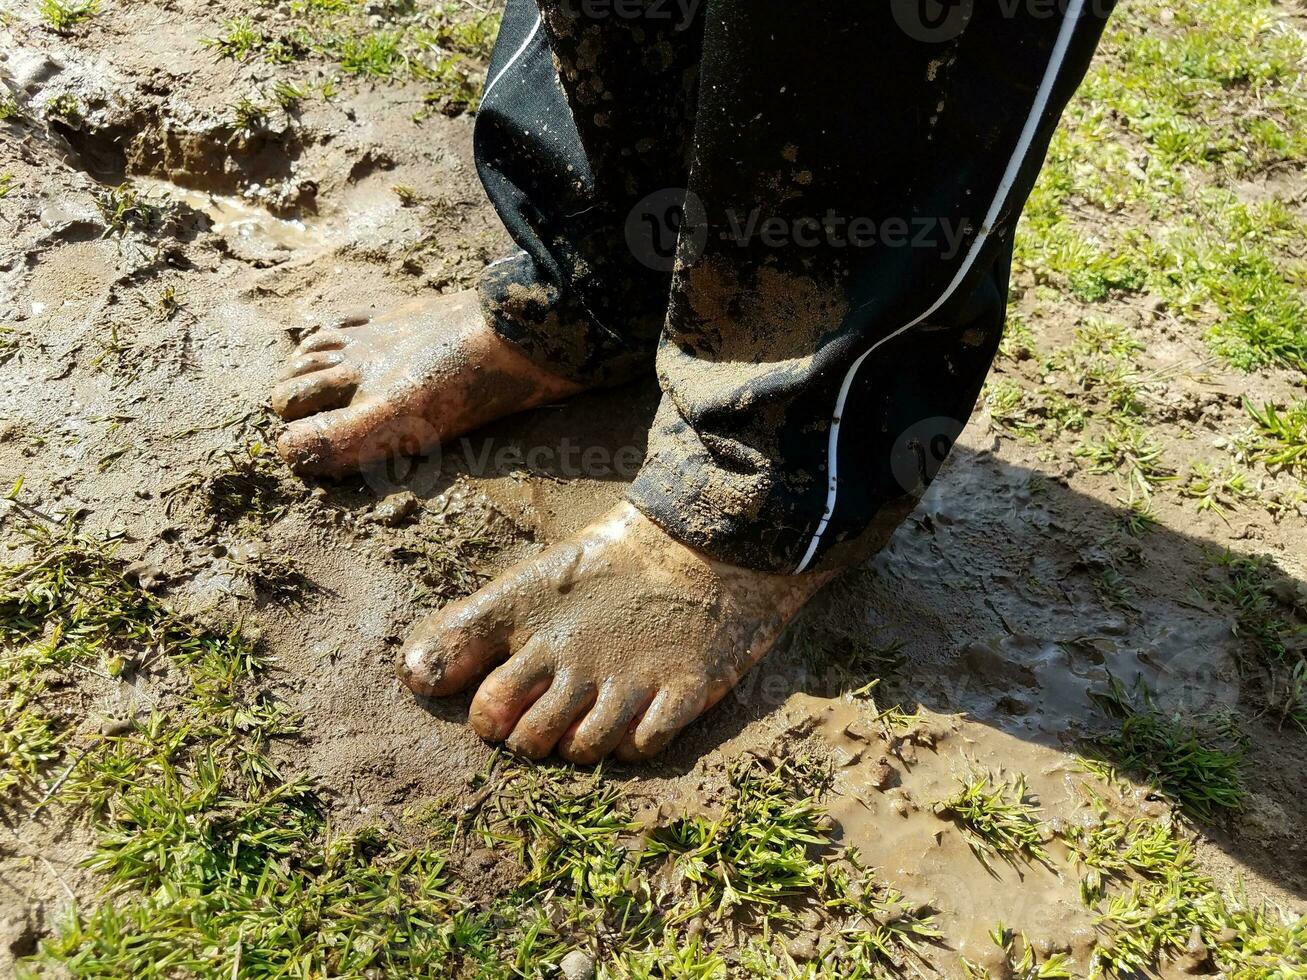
<point x="855" y="171"/>
<point x="584" y="113"/>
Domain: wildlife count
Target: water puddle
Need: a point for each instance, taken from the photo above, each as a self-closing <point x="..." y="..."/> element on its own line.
<point x="241" y="221"/>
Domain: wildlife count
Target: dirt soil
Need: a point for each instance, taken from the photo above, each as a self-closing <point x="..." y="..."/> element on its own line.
<point x="123" y="409"/>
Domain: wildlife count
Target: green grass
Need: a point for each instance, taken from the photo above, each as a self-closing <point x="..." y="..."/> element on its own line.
<point x="1202" y="773"/>
<point x="245" y="485"/>
<point x="1280" y="438"/>
<point x="1180" y="105"/>
<point x="252" y="884"/>
<point x="728" y="862"/>
<point x="1132" y="453"/>
<point x="65" y="105"/>
<point x="376" y="55"/>
<point x="124" y="209"/>
<point x="1137" y="517"/>
<point x="239" y="40"/>
<point x="1142" y="879"/>
<point x="242" y="39"/>
<point x="1217" y="491"/>
<point x="289" y="96"/>
<point x="1262" y="616"/>
<point x="30" y="738"/>
<point x="168" y="304"/>
<point x="996" y="818"/>
<point x="1024" y="964"/>
<point x="247" y="115"/>
<point x="1293" y="702"/>
<point x="1225" y="266"/>
<point x="764" y="854"/>
<point x="444" y="46"/>
<point x="67" y="611"/>
<point x="64" y="15"/>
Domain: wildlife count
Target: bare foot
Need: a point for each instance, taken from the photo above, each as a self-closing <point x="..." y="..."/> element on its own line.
<point x="371" y="387"/>
<point x="611" y="641"/>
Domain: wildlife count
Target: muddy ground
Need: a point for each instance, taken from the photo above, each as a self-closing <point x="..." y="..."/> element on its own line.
<point x="140" y="350"/>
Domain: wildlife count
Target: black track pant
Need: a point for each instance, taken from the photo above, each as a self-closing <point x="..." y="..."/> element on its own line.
<point x="800" y="211"/>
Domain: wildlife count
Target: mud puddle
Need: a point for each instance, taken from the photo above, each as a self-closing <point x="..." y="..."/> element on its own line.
<point x="256" y="234"/>
<point x="884" y="797"/>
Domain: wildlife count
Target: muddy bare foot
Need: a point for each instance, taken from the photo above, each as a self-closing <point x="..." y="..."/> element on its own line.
<point x="371" y="387"/>
<point x="610" y="642"/>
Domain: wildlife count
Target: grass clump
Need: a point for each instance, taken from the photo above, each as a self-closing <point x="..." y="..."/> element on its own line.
<point x="69" y="611"/>
<point x="1022" y="965"/>
<point x="66" y="106"/>
<point x="649" y="894"/>
<point x="30" y="738"/>
<point x="289" y="96"/>
<point x="1253" y="587"/>
<point x="1216" y="491"/>
<point x="64" y="15"/>
<point x="248" y="115"/>
<point x="755" y="852"/>
<point x="375" y="55"/>
<point x="1229" y="258"/>
<point x="241" y="39"/>
<point x="567" y="832"/>
<point x="996" y="818"/>
<point x="1203" y="776"/>
<point x="218" y="866"/>
<point x="241" y="485"/>
<point x="1143" y="879"/>
<point x="1293" y="703"/>
<point x="1126" y="449"/>
<point x="445" y="46"/>
<point x="124" y="208"/>
<point x="237" y="883"/>
<point x="1280" y="438"/>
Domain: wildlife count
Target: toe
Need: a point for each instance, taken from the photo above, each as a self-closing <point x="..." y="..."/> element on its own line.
<point x="453" y="647"/>
<point x="671" y="710"/>
<point x="356" y="317"/>
<point x="509" y="691"/>
<point x="543" y="724"/>
<point x="316" y="392"/>
<point x="367" y="432"/>
<point x="605" y="725"/>
<point x="328" y="338"/>
<point x="306" y="363"/>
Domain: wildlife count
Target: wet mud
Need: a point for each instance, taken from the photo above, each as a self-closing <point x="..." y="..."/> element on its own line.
<point x="145" y="351"/>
